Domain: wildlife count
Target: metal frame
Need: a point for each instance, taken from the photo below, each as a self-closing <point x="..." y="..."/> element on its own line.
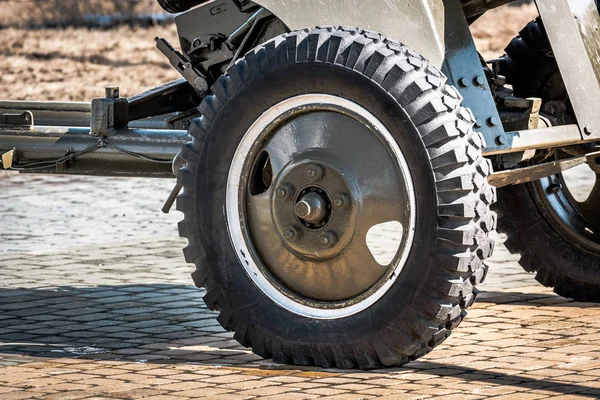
<point x="573" y="27"/>
<point x="437" y="29"/>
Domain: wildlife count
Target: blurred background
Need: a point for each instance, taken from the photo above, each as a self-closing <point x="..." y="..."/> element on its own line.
<point x="71" y="49"/>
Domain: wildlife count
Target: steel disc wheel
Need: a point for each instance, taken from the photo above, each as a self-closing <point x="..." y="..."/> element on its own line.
<point x="301" y="232"/>
<point x="574" y="216"/>
<point x="309" y="145"/>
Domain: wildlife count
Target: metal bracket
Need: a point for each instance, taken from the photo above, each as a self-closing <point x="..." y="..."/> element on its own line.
<point x="109" y="113"/>
<point x="17" y="120"/>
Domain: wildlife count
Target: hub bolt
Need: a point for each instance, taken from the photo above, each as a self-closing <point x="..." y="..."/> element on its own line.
<point x="311" y="208"/>
<point x="314" y="172"/>
<point x="327" y="239"/>
<point x="290" y="233"/>
<point x="284" y="191"/>
<point x="341" y="201"/>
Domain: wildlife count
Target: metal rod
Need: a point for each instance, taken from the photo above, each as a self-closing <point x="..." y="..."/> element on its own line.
<point x="545" y="138"/>
<point x="127" y="152"/>
<point x="57" y="113"/>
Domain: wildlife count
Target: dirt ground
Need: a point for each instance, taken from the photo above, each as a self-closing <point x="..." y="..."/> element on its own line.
<point x="76" y="64"/>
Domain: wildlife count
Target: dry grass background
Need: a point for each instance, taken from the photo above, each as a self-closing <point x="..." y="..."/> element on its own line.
<point x="76" y="64"/>
<point x="33" y="12"/>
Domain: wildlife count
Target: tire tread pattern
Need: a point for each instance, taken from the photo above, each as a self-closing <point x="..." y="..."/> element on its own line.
<point x="464" y="196"/>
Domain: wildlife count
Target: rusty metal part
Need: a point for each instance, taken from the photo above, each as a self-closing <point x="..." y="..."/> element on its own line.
<point x="127" y="152"/>
<point x="534" y="172"/>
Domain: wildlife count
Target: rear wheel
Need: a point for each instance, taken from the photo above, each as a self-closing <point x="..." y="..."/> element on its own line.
<point x="336" y="202"/>
<point x="553" y="223"/>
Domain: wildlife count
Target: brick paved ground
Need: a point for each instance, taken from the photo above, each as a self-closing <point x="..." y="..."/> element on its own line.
<point x="96" y="302"/>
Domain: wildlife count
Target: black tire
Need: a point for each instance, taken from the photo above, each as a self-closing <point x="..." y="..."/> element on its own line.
<point x="558" y="262"/>
<point x="530" y="66"/>
<point x="453" y="218"/>
<point x="558" y="259"/>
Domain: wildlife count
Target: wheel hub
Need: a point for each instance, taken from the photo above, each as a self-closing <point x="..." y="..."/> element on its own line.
<point x="312" y="208"/>
<point x="321" y="230"/>
<point x="333" y="173"/>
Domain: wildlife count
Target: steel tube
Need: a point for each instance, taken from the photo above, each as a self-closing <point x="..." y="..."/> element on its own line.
<point x="46" y="143"/>
<point x="57" y="113"/>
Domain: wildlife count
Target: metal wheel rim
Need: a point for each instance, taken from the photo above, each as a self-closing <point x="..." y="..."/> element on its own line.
<point x="242" y="244"/>
<point x="571" y="218"/>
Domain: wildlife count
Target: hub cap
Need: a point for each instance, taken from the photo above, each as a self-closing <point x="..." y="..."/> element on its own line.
<point x="311" y="178"/>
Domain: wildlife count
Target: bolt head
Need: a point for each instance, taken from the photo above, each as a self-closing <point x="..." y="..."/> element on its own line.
<point x="478" y="81"/>
<point x="284" y="191"/>
<point x="341" y="201"/>
<point x="500" y="140"/>
<point x="588" y="130"/>
<point x="290" y="233"/>
<point x="327" y="239"/>
<point x="463" y="82"/>
<point x="314" y="172"/>
<point x="492" y="121"/>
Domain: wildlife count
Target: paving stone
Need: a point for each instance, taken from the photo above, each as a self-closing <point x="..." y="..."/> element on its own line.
<point x="97" y="304"/>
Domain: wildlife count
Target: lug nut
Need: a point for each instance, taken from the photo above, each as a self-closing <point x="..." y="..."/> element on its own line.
<point x="314" y="172"/>
<point x="341" y="201"/>
<point x="327" y="239"/>
<point x="290" y="233"/>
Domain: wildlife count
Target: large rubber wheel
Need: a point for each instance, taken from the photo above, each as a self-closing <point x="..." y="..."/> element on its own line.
<point x="307" y="143"/>
<point x="556" y="234"/>
<point x="530" y="66"/>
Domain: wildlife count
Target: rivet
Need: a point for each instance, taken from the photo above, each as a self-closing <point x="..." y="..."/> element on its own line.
<point x="341" y="201"/>
<point x="314" y="172"/>
<point x="284" y="191"/>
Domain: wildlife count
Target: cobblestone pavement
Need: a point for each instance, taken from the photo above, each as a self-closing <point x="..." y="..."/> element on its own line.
<point x="96" y="302"/>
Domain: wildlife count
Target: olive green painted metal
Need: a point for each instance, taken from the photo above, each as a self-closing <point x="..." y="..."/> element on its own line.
<point x="437" y="29"/>
<point x="573" y="27"/>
